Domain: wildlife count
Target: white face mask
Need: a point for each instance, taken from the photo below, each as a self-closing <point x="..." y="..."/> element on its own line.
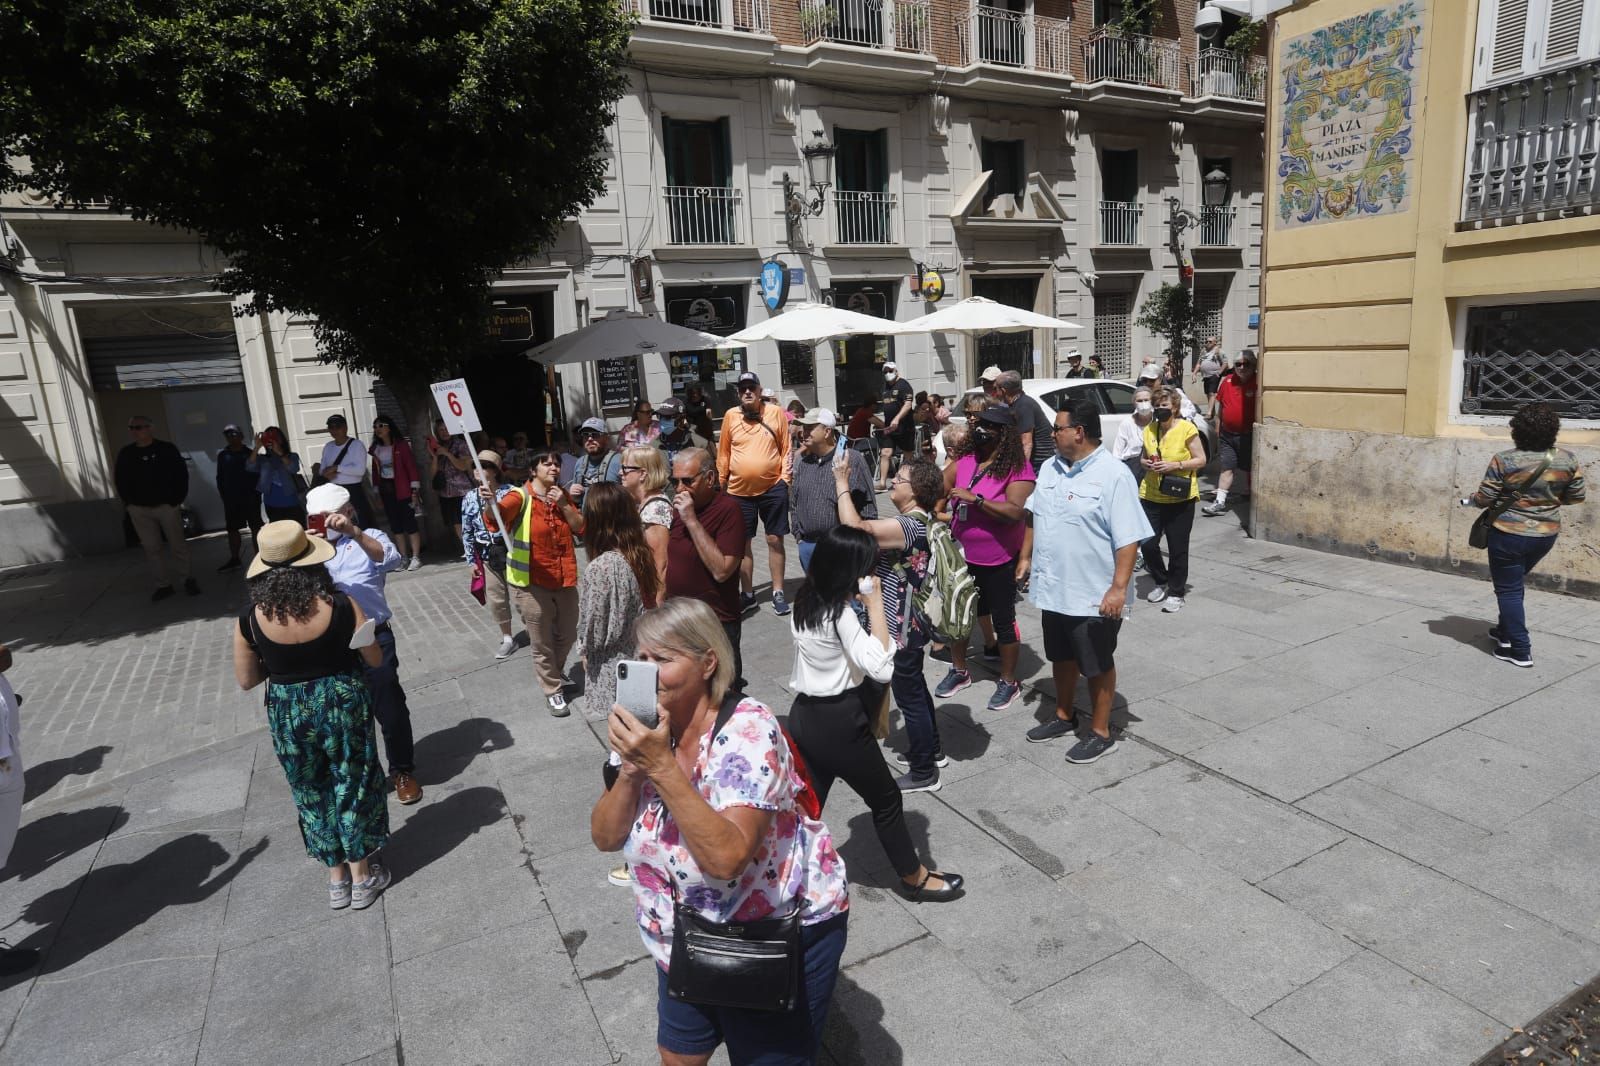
<point x="1143" y="407"/>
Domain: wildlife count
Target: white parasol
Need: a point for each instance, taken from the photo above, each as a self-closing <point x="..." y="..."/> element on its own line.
<point x="977" y="315"/>
<point x="622" y="333"/>
<point x="809" y="323"/>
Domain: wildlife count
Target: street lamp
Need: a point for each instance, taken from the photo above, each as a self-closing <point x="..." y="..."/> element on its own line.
<point x="1214" y="187"/>
<point x="819" y="175"/>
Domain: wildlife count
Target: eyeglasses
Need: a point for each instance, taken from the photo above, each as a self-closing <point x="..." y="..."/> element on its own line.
<point x="1063" y="429"/>
<point x="625" y="469"/>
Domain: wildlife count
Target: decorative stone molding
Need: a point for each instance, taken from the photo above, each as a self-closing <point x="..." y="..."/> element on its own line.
<point x="784" y="112"/>
<point x="1069" y="129"/>
<point x="939" y="116"/>
<point x="1175" y="136"/>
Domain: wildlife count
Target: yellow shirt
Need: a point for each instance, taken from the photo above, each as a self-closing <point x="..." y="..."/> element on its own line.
<point x="1174" y="448"/>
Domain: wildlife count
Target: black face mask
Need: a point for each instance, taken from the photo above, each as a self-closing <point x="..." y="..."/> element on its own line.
<point x="1163" y="414"/>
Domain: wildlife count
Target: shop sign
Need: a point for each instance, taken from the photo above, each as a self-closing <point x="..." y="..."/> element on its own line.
<point x="932" y="286"/>
<point x="510" y="323"/>
<point x="774" y="284"/>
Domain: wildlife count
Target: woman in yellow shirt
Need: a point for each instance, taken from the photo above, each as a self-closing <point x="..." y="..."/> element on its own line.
<point x="1173" y="458"/>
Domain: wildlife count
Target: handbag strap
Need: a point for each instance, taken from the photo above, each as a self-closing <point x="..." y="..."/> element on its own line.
<point x="1508" y="499"/>
<point x="337" y="459"/>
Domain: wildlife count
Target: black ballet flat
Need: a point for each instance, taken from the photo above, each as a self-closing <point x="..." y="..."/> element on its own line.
<point x="953" y="889"/>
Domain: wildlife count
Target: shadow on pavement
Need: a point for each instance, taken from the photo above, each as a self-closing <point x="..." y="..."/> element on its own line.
<point x="115" y="900"/>
<point x="865" y="862"/>
<point x="855" y="1035"/>
<point x="444" y="753"/>
<point x="47" y="775"/>
<point x="1473" y="632"/>
<point x="45" y="841"/>
<point x="440" y="827"/>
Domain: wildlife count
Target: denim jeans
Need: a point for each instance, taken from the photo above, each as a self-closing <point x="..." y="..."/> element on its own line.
<point x="806" y="548"/>
<point x="1511" y="557"/>
<point x="916" y="704"/>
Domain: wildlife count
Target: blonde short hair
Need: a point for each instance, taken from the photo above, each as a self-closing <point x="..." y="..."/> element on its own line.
<point x="1167" y="392"/>
<point x="652" y="462"/>
<point x="686" y="626"/>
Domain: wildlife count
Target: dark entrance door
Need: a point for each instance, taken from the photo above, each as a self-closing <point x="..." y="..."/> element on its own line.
<point x="507" y="387"/>
<point x="858" y="372"/>
<point x="1008" y="351"/>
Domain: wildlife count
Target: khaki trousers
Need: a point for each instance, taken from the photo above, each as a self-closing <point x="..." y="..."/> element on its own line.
<point x="153" y="524"/>
<point x="551" y="619"/>
<point x="496" y="596"/>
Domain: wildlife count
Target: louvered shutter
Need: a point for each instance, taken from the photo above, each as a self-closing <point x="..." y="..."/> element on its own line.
<point x="1564" y="38"/>
<point x="1502" y="40"/>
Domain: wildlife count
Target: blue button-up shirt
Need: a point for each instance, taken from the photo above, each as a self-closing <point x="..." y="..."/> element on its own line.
<point x="1082" y="513"/>
<point x="357" y="576"/>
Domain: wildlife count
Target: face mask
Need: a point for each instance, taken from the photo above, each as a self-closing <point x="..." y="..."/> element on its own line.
<point x="668" y="426"/>
<point x="889" y="375"/>
<point x="1142" y="407"/>
<point x="1163" y="414"/>
<point x="333" y="535"/>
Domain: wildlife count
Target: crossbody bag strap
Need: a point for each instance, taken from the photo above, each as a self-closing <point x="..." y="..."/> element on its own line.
<point x="1509" y="498"/>
<point x="337" y="459"/>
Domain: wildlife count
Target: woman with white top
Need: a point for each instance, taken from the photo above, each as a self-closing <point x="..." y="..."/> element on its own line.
<point x="839" y="672"/>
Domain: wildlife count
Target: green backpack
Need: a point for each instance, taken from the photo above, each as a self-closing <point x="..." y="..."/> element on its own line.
<point x="947" y="577"/>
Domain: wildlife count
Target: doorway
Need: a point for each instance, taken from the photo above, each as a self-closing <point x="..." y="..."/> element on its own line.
<point x="858" y="361"/>
<point x="1008" y="351"/>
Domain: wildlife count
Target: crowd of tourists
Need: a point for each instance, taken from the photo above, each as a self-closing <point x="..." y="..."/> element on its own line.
<point x="716" y="801"/>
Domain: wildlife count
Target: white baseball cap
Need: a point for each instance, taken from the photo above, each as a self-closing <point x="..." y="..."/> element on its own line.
<point x="990" y="373"/>
<point x="327" y="498"/>
<point x="820" y="416"/>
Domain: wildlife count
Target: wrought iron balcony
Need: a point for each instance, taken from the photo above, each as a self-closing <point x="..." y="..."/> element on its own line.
<point x="895" y="25"/>
<point x="864" y="217"/>
<point x="1015" y="39"/>
<point x="703" y="214"/>
<point x="1119" y="222"/>
<point x="1132" y="58"/>
<point x="1534" y="144"/>
<point x="1220" y="72"/>
<point x="750" y="16"/>
<point x="1217" y="227"/>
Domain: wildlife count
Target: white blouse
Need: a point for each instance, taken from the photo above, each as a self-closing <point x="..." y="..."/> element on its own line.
<point x="837" y="658"/>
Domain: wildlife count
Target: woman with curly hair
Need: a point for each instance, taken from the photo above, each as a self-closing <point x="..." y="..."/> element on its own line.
<point x="1527" y="484"/>
<point x="296" y="635"/>
<point x="987" y="489"/>
<point x="617" y="582"/>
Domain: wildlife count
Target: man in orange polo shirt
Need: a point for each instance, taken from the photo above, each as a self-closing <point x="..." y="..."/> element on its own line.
<point x="751" y="454"/>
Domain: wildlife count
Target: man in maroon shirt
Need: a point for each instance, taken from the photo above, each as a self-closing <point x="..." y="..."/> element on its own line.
<point x="706" y="543"/>
<point x="1236" y="398"/>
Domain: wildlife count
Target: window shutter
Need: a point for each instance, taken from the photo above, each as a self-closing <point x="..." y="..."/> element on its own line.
<point x="1563" y="35"/>
<point x="1509" y="45"/>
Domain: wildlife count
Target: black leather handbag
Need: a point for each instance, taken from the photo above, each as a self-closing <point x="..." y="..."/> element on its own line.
<point x="743" y="965"/>
<point x="1478" y="535"/>
<point x="1175" y="485"/>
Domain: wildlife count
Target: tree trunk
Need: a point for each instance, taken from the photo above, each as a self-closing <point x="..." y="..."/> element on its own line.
<point x="417" y="403"/>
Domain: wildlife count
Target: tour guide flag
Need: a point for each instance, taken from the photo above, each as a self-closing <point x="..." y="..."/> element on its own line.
<point x="455" y="407"/>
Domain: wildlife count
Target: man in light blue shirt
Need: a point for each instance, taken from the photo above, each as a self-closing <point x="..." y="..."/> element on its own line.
<point x="361" y="560"/>
<point x="1085" y="528"/>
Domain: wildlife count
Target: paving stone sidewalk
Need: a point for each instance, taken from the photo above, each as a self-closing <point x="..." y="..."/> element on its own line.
<point x="1338" y="831"/>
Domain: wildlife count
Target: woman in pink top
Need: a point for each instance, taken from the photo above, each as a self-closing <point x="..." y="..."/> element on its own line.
<point x="988" y="488"/>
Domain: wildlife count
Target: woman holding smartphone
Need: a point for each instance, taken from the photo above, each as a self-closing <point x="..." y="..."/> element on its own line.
<point x="839" y="672"/>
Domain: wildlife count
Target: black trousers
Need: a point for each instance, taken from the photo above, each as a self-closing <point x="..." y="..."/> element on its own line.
<point x="1175" y="521"/>
<point x="389" y="706"/>
<point x="834" y="735"/>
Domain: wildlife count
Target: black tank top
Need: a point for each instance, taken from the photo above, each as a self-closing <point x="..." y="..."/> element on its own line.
<point x="322" y="656"/>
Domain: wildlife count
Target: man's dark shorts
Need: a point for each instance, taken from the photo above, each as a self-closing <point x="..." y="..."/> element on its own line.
<point x="1090" y="641"/>
<point x="1236" y="449"/>
<point x="904" y="439"/>
<point x="241" y="512"/>
<point x="1210" y="384"/>
<point x="773" y="508"/>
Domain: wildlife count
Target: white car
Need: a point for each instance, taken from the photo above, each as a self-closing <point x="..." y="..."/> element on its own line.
<point x="1115" y="399"/>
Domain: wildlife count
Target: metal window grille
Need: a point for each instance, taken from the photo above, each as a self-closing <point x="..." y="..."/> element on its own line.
<point x="1208" y="304"/>
<point x="1111" y="311"/>
<point x="1532" y="352"/>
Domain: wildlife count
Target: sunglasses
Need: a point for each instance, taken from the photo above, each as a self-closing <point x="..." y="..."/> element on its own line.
<point x="685" y="482"/>
<point x="629" y="469"/>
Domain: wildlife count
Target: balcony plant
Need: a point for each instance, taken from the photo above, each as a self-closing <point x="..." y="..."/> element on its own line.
<point x="818" y="19"/>
<point x="1135" y="25"/>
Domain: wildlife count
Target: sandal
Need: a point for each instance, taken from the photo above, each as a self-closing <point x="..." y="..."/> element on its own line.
<point x="953" y="888"/>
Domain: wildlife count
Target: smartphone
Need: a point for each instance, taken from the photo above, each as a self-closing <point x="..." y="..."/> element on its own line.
<point x="317" y="523"/>
<point x="636" y="691"/>
<point x="838" y="447"/>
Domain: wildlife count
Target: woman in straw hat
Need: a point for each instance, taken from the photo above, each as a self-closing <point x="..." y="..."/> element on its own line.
<point x="307" y="641"/>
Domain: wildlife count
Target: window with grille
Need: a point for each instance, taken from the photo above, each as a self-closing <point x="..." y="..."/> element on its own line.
<point x="1111" y="311"/>
<point x="1208" y="307"/>
<point x="1532" y="352"/>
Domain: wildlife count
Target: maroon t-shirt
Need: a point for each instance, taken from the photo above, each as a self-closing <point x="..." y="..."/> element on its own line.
<point x="723" y="519"/>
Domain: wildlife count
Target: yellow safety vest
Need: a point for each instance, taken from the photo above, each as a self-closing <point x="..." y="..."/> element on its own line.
<point x="517" y="562"/>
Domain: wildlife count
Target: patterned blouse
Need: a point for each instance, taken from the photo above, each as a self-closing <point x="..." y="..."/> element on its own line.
<point x="609" y="602"/>
<point x="747" y="766"/>
<point x="634" y="437"/>
<point x="1537" y="510"/>
<point x="656" y="511"/>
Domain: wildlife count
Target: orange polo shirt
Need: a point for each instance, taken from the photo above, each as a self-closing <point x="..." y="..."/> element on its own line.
<point x="750" y="455"/>
<point x="552" y="559"/>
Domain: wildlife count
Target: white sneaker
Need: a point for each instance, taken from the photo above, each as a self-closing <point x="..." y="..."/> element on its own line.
<point x="507" y="646"/>
<point x="1157" y="594"/>
<point x="620" y="877"/>
<point x="415" y="563"/>
<point x="1173" y="605"/>
<point x="558" y="705"/>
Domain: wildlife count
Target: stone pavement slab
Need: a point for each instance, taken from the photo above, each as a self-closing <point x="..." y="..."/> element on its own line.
<point x="1407" y="913"/>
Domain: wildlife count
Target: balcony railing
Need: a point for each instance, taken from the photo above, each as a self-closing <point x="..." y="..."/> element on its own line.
<point x="864" y="217"/>
<point x="897" y="25"/>
<point x="1119" y="222"/>
<point x="703" y="214"/>
<point x="750" y="16"/>
<point x="1220" y="72"/>
<point x="1216" y="227"/>
<point x="1132" y="58"/>
<point x="1015" y="39"/>
<point x="1534" y="144"/>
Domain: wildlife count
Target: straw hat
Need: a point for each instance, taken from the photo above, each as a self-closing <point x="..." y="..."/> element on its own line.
<point x="286" y="544"/>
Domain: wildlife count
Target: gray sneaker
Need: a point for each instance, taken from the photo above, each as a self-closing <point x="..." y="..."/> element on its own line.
<point x="941" y="760"/>
<point x="415" y="563"/>
<point x="912" y="783"/>
<point x="364" y="894"/>
<point x="558" y="705"/>
<point x="339" y="894"/>
<point x="1212" y="509"/>
<point x="1091" y="748"/>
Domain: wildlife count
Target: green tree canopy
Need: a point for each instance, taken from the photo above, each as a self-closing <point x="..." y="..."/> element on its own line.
<point x="374" y="163"/>
<point x="1170" y="314"/>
